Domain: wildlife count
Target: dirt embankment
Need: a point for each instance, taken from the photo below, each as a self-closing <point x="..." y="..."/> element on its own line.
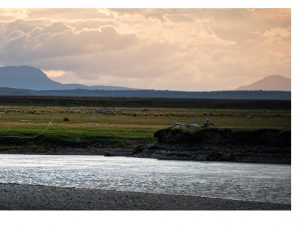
<point x="256" y="146"/>
<point x="259" y="146"/>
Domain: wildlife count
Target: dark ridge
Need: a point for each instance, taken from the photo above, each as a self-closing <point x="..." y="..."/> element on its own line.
<point x="251" y="95"/>
<point x="146" y="102"/>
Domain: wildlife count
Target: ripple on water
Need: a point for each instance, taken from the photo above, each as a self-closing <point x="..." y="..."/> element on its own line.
<point x="242" y="181"/>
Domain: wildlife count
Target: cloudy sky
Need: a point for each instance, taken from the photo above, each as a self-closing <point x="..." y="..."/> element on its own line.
<point x="174" y="49"/>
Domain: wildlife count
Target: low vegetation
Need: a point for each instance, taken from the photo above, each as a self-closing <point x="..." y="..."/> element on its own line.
<point x="79" y="125"/>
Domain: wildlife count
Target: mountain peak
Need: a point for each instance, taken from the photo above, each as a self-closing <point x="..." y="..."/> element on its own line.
<point x="22" y="67"/>
<point x="270" y="83"/>
<point x="12" y="72"/>
<point x="28" y="77"/>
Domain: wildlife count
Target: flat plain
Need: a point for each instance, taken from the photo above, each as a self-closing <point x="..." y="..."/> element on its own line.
<point x="125" y="123"/>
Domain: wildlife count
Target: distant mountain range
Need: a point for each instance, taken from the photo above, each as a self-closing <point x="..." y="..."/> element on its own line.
<point x="30" y="81"/>
<point x="267" y="95"/>
<point x="270" y="83"/>
<point x="27" y="77"/>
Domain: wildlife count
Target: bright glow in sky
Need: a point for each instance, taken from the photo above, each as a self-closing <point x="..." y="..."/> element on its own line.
<point x="175" y="49"/>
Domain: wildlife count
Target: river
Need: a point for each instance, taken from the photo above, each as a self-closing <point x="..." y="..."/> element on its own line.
<point x="240" y="181"/>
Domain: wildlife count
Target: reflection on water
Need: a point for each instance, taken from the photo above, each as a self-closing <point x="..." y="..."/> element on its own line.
<point x="244" y="181"/>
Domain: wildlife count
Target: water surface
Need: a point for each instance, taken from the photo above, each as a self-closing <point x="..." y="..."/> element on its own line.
<point x="242" y="181"/>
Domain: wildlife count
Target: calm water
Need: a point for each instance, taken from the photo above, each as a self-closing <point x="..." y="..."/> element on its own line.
<point x="245" y="181"/>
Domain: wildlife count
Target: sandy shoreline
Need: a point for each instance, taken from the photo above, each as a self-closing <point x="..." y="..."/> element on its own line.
<point x="36" y="197"/>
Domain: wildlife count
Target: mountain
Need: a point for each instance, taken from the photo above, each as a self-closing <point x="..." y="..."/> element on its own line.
<point x="270" y="83"/>
<point x="30" y="81"/>
<point x="27" y="77"/>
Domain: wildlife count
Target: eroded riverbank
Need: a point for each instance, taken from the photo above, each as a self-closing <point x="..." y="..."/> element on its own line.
<point x="252" y="146"/>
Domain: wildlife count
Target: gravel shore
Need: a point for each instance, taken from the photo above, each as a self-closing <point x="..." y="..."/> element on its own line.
<point x="36" y="197"/>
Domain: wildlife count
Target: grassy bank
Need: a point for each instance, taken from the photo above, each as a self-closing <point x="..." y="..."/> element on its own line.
<point x="34" y="136"/>
<point x="85" y="126"/>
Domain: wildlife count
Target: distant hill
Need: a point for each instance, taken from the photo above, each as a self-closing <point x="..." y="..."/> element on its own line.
<point x="270" y="83"/>
<point x="30" y="81"/>
<point x="27" y="77"/>
<point x="267" y="95"/>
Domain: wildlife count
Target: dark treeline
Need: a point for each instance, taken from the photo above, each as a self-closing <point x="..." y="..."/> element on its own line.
<point x="145" y="102"/>
<point x="275" y="95"/>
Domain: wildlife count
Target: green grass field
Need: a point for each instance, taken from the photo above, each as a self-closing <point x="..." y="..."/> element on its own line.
<point x="98" y="126"/>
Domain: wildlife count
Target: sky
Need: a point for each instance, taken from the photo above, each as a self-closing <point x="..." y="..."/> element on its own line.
<point x="168" y="49"/>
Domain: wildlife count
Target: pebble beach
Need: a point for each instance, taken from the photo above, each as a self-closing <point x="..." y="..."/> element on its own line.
<point x="37" y="197"/>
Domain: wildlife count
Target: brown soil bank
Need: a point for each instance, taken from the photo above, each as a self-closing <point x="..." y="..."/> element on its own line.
<point x="260" y="146"/>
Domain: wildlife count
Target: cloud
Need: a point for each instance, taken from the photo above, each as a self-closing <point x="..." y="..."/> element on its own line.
<point x="68" y="14"/>
<point x="277" y="34"/>
<point x="54" y="73"/>
<point x="184" y="49"/>
<point x="33" y="41"/>
<point x="12" y="14"/>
